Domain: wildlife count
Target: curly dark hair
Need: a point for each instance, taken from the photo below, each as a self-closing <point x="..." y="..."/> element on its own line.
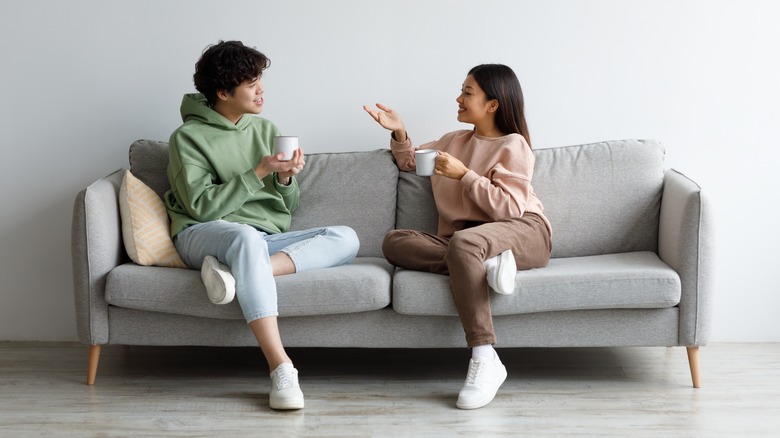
<point x="225" y="65"/>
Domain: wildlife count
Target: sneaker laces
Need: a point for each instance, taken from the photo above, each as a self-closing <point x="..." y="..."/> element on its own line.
<point x="474" y="370"/>
<point x="285" y="379"/>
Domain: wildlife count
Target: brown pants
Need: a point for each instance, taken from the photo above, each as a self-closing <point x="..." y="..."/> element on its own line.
<point x="462" y="257"/>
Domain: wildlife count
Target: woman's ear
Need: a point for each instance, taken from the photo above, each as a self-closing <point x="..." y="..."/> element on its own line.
<point x="222" y="94"/>
<point x="493" y="105"/>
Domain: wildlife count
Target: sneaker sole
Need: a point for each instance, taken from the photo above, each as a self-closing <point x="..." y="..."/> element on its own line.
<point x="214" y="277"/>
<point x="483" y="402"/>
<point x="506" y="277"/>
<point x="287" y="405"/>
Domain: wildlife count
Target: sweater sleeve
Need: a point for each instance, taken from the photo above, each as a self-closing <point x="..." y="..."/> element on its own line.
<point x="291" y="194"/>
<point x="403" y="153"/>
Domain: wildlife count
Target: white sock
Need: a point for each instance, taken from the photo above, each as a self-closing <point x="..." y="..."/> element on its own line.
<point x="485" y="351"/>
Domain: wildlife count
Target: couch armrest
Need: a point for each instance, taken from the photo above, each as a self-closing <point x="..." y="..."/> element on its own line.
<point x="96" y="249"/>
<point x="685" y="244"/>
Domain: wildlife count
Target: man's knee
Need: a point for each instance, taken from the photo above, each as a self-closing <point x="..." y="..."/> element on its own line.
<point x="245" y="238"/>
<point x="349" y="241"/>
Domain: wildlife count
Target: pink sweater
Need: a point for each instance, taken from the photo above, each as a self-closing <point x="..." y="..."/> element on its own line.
<point x="497" y="185"/>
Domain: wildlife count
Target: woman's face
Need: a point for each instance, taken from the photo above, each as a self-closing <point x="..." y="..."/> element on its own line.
<point x="473" y="105"/>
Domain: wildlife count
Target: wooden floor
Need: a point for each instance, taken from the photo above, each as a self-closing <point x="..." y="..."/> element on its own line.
<point x="188" y="391"/>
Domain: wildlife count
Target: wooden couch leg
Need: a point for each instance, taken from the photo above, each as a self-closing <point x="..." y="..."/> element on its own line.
<point x="693" y="362"/>
<point x="92" y="363"/>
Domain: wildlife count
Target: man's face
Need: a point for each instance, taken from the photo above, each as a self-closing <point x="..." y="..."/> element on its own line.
<point x="250" y="93"/>
<point x="247" y="97"/>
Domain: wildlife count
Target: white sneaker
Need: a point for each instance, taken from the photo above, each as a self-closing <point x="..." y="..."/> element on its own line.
<point x="482" y="382"/>
<point x="501" y="271"/>
<point x="285" y="391"/>
<point x="219" y="281"/>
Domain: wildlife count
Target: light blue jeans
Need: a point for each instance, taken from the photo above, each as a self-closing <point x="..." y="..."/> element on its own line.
<point x="247" y="252"/>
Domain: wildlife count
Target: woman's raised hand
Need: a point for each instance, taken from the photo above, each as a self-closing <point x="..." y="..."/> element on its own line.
<point x="389" y="120"/>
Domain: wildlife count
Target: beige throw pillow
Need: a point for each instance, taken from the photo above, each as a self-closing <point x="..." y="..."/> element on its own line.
<point x="146" y="228"/>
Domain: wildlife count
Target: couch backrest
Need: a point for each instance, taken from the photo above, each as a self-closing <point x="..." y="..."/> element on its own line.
<point x="356" y="189"/>
<point x="149" y="163"/>
<point x="416" y="209"/>
<point x="600" y="198"/>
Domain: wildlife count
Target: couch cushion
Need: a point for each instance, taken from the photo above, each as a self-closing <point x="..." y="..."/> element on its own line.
<point x="601" y="198"/>
<point x="357" y="189"/>
<point x="149" y="163"/>
<point x="361" y="286"/>
<point x="638" y="280"/>
<point x="416" y="209"/>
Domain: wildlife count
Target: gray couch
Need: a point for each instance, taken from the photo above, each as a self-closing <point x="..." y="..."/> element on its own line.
<point x="630" y="266"/>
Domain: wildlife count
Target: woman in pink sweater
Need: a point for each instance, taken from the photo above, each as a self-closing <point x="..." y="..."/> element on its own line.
<point x="490" y="221"/>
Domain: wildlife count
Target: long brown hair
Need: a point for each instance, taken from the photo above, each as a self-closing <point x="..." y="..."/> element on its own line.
<point x="500" y="82"/>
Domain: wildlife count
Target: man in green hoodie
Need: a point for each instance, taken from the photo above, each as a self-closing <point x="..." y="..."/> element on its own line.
<point x="231" y="203"/>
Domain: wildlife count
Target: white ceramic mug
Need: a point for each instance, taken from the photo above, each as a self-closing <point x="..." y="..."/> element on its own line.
<point x="285" y="144"/>
<point x="426" y="161"/>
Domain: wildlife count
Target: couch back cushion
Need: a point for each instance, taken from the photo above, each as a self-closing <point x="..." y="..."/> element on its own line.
<point x="416" y="209"/>
<point x="149" y="163"/>
<point x="600" y="198"/>
<point x="357" y="189"/>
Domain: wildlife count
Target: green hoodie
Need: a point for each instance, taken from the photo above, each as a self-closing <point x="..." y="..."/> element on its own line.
<point x="211" y="171"/>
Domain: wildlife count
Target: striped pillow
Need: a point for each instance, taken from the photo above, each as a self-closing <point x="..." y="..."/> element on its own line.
<point x="146" y="228"/>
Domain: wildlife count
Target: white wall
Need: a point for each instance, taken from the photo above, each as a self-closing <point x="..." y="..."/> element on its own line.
<point x="81" y="80"/>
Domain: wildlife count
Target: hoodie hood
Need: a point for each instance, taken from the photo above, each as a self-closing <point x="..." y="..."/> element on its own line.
<point x="195" y="107"/>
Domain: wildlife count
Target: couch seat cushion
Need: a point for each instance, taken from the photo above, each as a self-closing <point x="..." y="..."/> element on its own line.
<point x="361" y="286"/>
<point x="637" y="280"/>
